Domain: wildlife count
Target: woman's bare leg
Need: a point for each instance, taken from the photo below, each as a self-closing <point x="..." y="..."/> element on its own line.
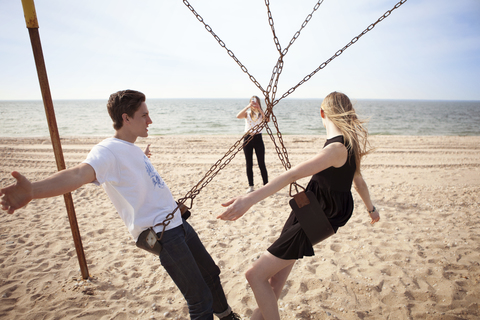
<point x="267" y="278"/>
<point x="277" y="282"/>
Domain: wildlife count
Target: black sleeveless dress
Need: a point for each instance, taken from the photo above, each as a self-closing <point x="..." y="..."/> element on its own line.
<point x="332" y="187"/>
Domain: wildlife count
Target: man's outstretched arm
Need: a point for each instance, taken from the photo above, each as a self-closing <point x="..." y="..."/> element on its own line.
<point x="23" y="191"/>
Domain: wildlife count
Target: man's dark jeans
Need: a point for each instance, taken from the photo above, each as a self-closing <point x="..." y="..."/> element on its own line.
<point x="194" y="272"/>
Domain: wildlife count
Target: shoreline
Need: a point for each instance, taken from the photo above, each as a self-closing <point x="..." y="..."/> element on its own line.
<point x="421" y="261"/>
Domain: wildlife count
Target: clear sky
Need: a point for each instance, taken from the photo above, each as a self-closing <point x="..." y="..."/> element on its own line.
<point x="424" y="50"/>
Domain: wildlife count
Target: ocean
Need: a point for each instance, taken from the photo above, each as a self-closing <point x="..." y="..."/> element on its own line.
<point x="218" y="117"/>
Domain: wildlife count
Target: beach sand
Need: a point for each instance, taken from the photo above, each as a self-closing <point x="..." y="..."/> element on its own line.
<point x="421" y="261"/>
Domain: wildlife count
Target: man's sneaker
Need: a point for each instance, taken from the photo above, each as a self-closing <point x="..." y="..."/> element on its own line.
<point x="232" y="316"/>
<point x="250" y="189"/>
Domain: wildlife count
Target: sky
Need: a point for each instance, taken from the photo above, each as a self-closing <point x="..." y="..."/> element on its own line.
<point x="426" y="49"/>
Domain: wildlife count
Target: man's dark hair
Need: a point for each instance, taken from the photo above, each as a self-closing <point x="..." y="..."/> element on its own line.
<point x="125" y="101"/>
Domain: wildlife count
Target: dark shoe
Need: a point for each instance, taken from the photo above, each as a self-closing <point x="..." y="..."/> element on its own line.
<point x="232" y="316"/>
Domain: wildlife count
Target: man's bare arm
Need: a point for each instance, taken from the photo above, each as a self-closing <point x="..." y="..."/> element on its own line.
<point x="23" y="191"/>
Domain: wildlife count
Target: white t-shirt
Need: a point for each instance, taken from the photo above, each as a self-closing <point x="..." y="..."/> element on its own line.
<point x="135" y="188"/>
<point x="250" y="123"/>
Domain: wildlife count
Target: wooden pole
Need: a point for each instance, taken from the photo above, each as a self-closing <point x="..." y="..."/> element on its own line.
<point x="32" y="25"/>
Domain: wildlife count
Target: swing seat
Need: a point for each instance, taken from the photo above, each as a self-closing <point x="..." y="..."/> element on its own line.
<point x="311" y="217"/>
<point x="148" y="240"/>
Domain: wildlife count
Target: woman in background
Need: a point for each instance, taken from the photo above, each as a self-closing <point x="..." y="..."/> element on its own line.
<point x="253" y="115"/>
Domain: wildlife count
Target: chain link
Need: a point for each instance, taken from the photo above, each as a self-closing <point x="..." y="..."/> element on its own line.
<point x="222" y="44"/>
<point x="296" y="35"/>
<point x="269" y="94"/>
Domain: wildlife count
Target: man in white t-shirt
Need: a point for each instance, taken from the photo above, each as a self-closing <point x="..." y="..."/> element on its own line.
<point x="142" y="200"/>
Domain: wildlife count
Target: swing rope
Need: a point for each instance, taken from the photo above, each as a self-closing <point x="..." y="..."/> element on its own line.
<point x="270" y="100"/>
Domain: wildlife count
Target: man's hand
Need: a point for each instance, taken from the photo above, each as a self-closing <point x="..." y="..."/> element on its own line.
<point x="147" y="151"/>
<point x="17" y="195"/>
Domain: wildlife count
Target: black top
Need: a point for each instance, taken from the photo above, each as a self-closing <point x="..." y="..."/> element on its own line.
<point x="332" y="187"/>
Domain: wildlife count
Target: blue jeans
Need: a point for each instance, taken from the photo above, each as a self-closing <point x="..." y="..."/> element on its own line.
<point x="194" y="272"/>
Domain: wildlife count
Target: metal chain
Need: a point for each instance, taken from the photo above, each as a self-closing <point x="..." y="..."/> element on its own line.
<point x="339" y="52"/>
<point x="214" y="170"/>
<point x="269" y="97"/>
<point x="279" y="66"/>
<point x="222" y="44"/>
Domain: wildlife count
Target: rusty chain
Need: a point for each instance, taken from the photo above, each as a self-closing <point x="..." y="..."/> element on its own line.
<point x="269" y="94"/>
<point x="279" y="66"/>
<point x="339" y="52"/>
<point x="296" y="35"/>
<point x="277" y="70"/>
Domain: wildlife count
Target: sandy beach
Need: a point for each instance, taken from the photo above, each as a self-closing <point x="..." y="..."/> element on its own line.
<point x="421" y="261"/>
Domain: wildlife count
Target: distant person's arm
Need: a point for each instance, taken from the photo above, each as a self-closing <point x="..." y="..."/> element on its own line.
<point x="23" y="191"/>
<point x="243" y="113"/>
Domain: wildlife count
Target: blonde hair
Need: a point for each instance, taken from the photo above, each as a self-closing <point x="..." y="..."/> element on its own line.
<point x="339" y="109"/>
<point x="255" y="115"/>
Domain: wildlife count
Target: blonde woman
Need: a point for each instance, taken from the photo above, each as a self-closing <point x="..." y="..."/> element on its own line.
<point x="253" y="115"/>
<point x="333" y="171"/>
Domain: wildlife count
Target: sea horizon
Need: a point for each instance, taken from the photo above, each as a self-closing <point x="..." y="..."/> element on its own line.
<point x="217" y="116"/>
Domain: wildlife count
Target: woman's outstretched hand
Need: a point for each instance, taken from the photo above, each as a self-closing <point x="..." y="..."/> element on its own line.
<point x="236" y="208"/>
